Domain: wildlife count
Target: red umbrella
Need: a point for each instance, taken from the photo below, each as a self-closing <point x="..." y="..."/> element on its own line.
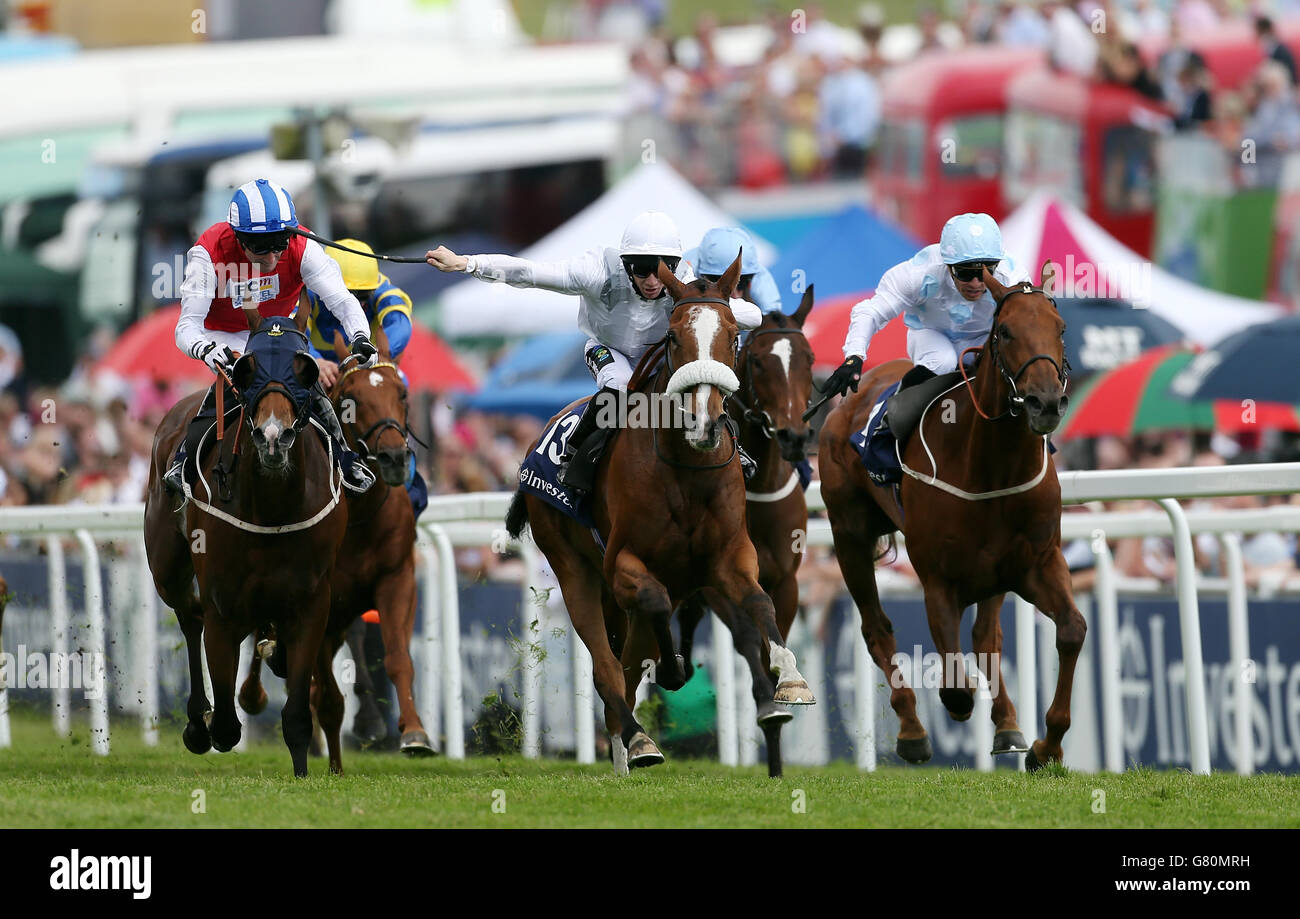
<point x="148" y="349"/>
<point x="429" y="364"/>
<point x="828" y="324"/>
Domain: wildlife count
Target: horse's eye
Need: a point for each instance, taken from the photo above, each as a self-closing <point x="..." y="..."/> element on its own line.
<point x="672" y="337"/>
<point x="1004" y="332"/>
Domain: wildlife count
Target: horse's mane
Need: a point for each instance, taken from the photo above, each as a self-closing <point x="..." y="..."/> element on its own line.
<point x="648" y="366"/>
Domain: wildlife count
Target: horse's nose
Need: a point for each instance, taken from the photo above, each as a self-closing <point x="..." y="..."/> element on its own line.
<point x="1052" y="405"/>
<point x="792" y="442"/>
<point x="392" y="464"/>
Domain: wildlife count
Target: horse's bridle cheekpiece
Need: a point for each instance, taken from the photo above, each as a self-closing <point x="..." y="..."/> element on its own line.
<point x="1016" y="401"/>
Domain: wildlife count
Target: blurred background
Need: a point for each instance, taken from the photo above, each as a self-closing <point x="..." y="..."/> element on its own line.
<point x="1149" y="146"/>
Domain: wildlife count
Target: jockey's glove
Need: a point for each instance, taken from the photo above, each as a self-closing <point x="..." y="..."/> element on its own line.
<point x="363" y="349"/>
<point x="845" y="377"/>
<point x="216" y="356"/>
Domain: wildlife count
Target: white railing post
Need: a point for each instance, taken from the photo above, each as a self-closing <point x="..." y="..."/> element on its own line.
<point x="531" y="610"/>
<point x="146" y="649"/>
<point x="453" y="692"/>
<point x="59" y="624"/>
<point x="1243" y="694"/>
<point x="746" y="712"/>
<point x="864" y="697"/>
<point x="982" y="715"/>
<point x="725" y="691"/>
<point x="584" y="700"/>
<point x="1189" y="618"/>
<point x="95" y="619"/>
<point x="431" y="646"/>
<point x="1026" y="672"/>
<point x="1112" y="726"/>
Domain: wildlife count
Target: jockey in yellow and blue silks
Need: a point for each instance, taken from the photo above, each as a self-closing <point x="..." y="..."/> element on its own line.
<point x="385" y="306"/>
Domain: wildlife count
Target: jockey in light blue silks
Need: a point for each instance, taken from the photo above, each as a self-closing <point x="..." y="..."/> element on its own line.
<point x="714" y="255"/>
<point x="941" y="295"/>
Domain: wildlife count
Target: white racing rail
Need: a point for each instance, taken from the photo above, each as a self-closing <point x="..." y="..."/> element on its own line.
<point x="477" y="520"/>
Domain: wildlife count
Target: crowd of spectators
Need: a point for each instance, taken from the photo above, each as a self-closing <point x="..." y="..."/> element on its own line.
<point x="808" y="105"/>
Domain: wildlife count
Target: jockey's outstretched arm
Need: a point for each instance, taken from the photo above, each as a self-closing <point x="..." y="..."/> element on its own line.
<point x="584" y="274"/>
<point x="871" y="315"/>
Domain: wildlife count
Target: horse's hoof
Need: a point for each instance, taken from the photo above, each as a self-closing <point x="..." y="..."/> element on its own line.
<point x="916" y="750"/>
<point x="253" y="706"/>
<point x="794" y="692"/>
<point x="265" y="648"/>
<point x="770" y="713"/>
<point x="959" y="703"/>
<point x="226" y="745"/>
<point x="1009" y="742"/>
<point x="197" y="739"/>
<point x="370" y="728"/>
<point x="642" y="752"/>
<point x="1034" y="762"/>
<point x="416" y="743"/>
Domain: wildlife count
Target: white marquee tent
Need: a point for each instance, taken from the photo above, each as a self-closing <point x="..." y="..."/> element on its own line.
<point x="475" y="307"/>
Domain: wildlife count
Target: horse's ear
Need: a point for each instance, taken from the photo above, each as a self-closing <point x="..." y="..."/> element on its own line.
<point x="253" y="318"/>
<point x="805" y="307"/>
<point x="995" y="286"/>
<point x="730" y="277"/>
<point x="340" y="343"/>
<point x="242" y="373"/>
<point x="1048" y="278"/>
<point x="306" y="369"/>
<point x="676" y="289"/>
<point x="381" y="344"/>
<point x="303" y="316"/>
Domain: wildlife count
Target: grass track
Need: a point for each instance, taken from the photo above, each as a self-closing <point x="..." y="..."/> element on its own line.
<point x="46" y="782"/>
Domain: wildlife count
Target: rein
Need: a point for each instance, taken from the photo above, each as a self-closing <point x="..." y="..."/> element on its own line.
<point x="1015" y="400"/>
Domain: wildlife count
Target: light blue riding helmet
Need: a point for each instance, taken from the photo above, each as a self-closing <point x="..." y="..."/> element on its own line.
<point x="262" y="207"/>
<point x="970" y="238"/>
<point x="717" y="250"/>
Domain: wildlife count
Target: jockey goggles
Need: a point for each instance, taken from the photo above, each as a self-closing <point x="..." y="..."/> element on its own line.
<point x="262" y="243"/>
<point x="971" y="271"/>
<point x="642" y="266"/>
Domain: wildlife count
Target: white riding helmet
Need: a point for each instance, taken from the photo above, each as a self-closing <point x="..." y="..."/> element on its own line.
<point x="652" y="233"/>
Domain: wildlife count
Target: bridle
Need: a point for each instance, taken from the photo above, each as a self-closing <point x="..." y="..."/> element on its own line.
<point x="363" y="449"/>
<point x="726" y="419"/>
<point x="760" y="418"/>
<point x="1015" y="401"/>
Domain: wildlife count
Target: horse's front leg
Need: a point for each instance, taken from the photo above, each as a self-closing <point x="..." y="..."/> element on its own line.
<point x="648" y="605"/>
<point x="222" y="640"/>
<point x="1047" y="586"/>
<point x="302" y="636"/>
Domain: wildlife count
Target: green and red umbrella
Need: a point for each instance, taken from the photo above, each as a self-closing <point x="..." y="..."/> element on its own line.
<point x="1134" y="398"/>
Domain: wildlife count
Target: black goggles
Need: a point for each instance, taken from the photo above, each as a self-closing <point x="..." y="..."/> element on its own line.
<point x="262" y="243"/>
<point x="971" y="271"/>
<point x="642" y="266"/>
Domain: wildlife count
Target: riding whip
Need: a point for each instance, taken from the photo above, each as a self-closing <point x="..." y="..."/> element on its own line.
<point x="408" y="259"/>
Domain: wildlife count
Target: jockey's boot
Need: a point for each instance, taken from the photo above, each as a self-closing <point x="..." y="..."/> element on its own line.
<point x="357" y="476"/>
<point x="585" y="445"/>
<point x="175" y="477"/>
<point x="918" y="374"/>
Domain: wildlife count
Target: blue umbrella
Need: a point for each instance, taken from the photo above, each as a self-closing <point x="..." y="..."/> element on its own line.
<point x="1261" y="362"/>
<point x="538" y="377"/>
<point x="1101" y="334"/>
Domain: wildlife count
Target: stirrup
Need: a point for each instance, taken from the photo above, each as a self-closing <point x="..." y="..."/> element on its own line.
<point x="747" y="464"/>
<point x="174" y="478"/>
<point x="357" y="476"/>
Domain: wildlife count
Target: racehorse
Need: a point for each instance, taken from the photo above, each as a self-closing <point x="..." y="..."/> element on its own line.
<point x="670" y="509"/>
<point x="775" y="385"/>
<point x="377" y="562"/>
<point x="982" y="518"/>
<point x="262" y="555"/>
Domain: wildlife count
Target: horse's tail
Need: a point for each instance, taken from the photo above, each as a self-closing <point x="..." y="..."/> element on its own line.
<point x="517" y="516"/>
<point x="884" y="546"/>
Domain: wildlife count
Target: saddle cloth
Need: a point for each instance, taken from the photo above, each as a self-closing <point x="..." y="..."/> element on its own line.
<point x="539" y="474"/>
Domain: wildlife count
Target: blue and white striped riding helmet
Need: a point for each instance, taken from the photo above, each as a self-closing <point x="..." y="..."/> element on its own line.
<point x="262" y="207"/>
<point x="970" y="238"/>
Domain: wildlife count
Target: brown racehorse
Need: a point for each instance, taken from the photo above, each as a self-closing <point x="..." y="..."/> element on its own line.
<point x="669" y="505"/>
<point x="262" y="559"/>
<point x="968" y="549"/>
<point x="775" y="385"/>
<point x="376" y="568"/>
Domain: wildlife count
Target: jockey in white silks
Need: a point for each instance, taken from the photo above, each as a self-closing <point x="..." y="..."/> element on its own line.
<point x="941" y="295"/>
<point x="624" y="309"/>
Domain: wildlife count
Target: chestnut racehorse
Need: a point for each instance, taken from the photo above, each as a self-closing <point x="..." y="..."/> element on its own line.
<point x="775" y="384"/>
<point x="376" y="568"/>
<point x="669" y="505"/>
<point x="985" y="519"/>
<point x="263" y="558"/>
